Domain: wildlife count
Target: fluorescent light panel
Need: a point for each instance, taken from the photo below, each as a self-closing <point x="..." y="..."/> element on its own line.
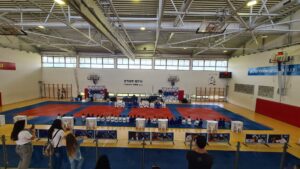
<point x="60" y="2"/>
<point x="251" y="3"/>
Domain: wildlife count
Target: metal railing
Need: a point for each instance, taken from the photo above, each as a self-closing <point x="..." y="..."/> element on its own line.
<point x="144" y="147"/>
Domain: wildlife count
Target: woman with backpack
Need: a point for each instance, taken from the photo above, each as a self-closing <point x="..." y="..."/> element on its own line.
<point x="56" y="135"/>
<point x="73" y="151"/>
<point x="23" y="139"/>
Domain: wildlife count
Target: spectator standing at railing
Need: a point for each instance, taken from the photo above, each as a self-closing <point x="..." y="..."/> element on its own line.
<point x="56" y="134"/>
<point x="73" y="151"/>
<point x="199" y="158"/>
<point x="23" y="139"/>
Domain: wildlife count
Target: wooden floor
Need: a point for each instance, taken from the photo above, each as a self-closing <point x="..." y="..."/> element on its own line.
<point x="179" y="133"/>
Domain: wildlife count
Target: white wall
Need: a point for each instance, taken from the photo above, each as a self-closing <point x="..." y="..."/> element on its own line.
<point x="21" y="84"/>
<point x="240" y="65"/>
<point x="113" y="79"/>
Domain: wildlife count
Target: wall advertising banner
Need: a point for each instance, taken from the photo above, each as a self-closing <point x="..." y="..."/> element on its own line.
<point x="7" y="66"/>
<point x="290" y="70"/>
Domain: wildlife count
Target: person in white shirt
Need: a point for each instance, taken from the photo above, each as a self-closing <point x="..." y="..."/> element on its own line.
<point x="56" y="134"/>
<point x="23" y="138"/>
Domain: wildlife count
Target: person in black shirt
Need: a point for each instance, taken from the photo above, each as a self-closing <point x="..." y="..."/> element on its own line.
<point x="199" y="158"/>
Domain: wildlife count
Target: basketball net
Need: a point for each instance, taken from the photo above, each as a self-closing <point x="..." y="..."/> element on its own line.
<point x="281" y="58"/>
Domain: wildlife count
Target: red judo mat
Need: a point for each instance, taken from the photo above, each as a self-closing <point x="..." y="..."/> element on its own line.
<point x="100" y="110"/>
<point x="151" y="113"/>
<point x="50" y="110"/>
<point x="200" y="113"/>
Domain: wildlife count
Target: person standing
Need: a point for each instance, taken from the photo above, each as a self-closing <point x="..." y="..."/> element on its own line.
<point x="58" y="94"/>
<point x="23" y="139"/>
<point x="56" y="135"/>
<point x="73" y="151"/>
<point x="103" y="163"/>
<point x="199" y="158"/>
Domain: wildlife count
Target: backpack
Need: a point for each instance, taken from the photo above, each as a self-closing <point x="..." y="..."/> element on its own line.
<point x="48" y="148"/>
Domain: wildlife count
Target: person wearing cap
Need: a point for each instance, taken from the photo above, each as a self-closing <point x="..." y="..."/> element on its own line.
<point x="198" y="158"/>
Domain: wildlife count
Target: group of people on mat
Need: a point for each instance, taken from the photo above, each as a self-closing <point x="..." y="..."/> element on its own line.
<point x="65" y="143"/>
<point x="173" y="122"/>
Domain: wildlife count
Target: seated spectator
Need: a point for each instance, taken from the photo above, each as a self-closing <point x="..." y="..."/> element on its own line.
<point x="220" y="123"/>
<point x="199" y="158"/>
<point x="196" y="122"/>
<point x="154" y="120"/>
<point x="171" y="122"/>
<point x="189" y="120"/>
<point x="83" y="118"/>
<point x="183" y="121"/>
<point x="200" y="123"/>
<point x="102" y="118"/>
<point x="103" y="163"/>
<point x="58" y="116"/>
<point x="179" y="121"/>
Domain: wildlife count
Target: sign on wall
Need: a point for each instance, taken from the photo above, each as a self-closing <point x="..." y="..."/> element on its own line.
<point x="290" y="70"/>
<point x="133" y="82"/>
<point x="7" y="66"/>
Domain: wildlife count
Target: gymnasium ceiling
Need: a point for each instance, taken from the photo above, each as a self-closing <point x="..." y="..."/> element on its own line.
<point x="114" y="26"/>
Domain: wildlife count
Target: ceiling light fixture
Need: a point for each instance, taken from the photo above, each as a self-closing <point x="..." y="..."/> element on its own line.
<point x="184" y="48"/>
<point x="225" y="51"/>
<point x="41" y="27"/>
<point x="60" y="2"/>
<point x="251" y="3"/>
<point x="142" y="28"/>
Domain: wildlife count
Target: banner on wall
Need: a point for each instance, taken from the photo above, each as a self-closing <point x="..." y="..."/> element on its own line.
<point x="290" y="70"/>
<point x="7" y="66"/>
<point x="133" y="82"/>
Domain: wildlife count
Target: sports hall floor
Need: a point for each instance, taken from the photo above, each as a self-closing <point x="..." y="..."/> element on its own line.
<point x="129" y="156"/>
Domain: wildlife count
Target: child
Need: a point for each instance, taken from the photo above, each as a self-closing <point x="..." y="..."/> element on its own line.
<point x="73" y="151"/>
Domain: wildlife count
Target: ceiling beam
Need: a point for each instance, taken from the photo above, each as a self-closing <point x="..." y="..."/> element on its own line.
<point x="159" y="18"/>
<point x="174" y="13"/>
<point x="184" y="8"/>
<point x="121" y="24"/>
<point x="232" y="36"/>
<point x="152" y="26"/>
<point x="95" y="16"/>
<point x="69" y="25"/>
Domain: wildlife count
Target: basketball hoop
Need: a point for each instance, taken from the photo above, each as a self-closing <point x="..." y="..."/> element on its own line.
<point x="173" y="80"/>
<point x="94" y="78"/>
<point x="279" y="58"/>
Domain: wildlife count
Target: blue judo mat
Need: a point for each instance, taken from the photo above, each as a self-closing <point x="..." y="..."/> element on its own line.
<point x="248" y="124"/>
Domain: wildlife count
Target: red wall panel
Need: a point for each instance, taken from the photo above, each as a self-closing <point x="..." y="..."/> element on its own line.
<point x="283" y="112"/>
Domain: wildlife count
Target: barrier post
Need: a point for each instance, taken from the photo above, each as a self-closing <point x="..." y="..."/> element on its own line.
<point x="97" y="145"/>
<point x="282" y="161"/>
<point x="191" y="144"/>
<point x="143" y="154"/>
<point x="237" y="155"/>
<point x="5" y="161"/>
<point x="50" y="160"/>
